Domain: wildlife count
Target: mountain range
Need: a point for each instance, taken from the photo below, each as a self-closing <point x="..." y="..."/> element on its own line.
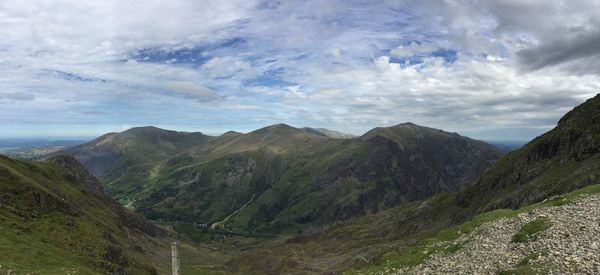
<point x="279" y="177"/>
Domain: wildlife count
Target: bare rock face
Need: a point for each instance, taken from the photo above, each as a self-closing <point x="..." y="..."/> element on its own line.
<point x="78" y="174"/>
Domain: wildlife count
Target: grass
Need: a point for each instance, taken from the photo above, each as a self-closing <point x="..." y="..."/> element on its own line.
<point x="526" y="267"/>
<point x="531" y="230"/>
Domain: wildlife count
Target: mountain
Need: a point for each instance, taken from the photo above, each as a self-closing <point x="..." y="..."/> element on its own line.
<point x="280" y="178"/>
<point x="327" y="133"/>
<point x="134" y="146"/>
<point x="115" y="155"/>
<point x="56" y="218"/>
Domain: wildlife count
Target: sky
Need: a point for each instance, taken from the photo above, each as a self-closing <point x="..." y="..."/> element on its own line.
<point x="494" y="70"/>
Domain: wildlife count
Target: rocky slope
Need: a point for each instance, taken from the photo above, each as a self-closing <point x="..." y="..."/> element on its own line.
<point x="568" y="244"/>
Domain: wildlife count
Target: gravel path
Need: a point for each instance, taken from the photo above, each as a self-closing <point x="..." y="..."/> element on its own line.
<point x="570" y="246"/>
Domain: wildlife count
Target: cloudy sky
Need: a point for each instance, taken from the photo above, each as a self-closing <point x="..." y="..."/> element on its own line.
<point x="490" y="69"/>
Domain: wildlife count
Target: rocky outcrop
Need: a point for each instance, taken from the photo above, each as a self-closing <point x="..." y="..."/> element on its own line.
<point x="77" y="174"/>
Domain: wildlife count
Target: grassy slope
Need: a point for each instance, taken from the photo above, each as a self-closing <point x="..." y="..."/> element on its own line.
<point x="51" y="225"/>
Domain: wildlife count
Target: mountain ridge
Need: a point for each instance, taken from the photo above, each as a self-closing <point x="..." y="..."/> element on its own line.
<point x="287" y="169"/>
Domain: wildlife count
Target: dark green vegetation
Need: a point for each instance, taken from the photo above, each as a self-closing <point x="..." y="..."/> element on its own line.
<point x="56" y="219"/>
<point x="279" y="178"/>
<point x="527" y="268"/>
<point x="531" y="230"/>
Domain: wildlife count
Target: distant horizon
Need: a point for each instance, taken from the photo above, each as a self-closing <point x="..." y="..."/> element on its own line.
<point x="94" y="136"/>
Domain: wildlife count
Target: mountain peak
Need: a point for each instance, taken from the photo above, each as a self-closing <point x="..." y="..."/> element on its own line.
<point x="231" y="134"/>
<point x="409" y="135"/>
<point x="77" y="172"/>
<point x="407" y="128"/>
<point x="144" y="129"/>
<point x="280" y="128"/>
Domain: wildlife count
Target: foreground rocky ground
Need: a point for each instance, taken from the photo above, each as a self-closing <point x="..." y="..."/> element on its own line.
<point x="569" y="246"/>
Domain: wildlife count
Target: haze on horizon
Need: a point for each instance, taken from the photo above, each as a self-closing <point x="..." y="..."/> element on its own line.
<point x="487" y="69"/>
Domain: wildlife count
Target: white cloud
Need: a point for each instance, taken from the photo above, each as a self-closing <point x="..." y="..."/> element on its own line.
<point x="412" y="49"/>
<point x="330" y="63"/>
<point x="189" y="89"/>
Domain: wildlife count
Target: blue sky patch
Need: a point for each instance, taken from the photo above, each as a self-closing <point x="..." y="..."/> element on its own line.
<point x="270" y="78"/>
